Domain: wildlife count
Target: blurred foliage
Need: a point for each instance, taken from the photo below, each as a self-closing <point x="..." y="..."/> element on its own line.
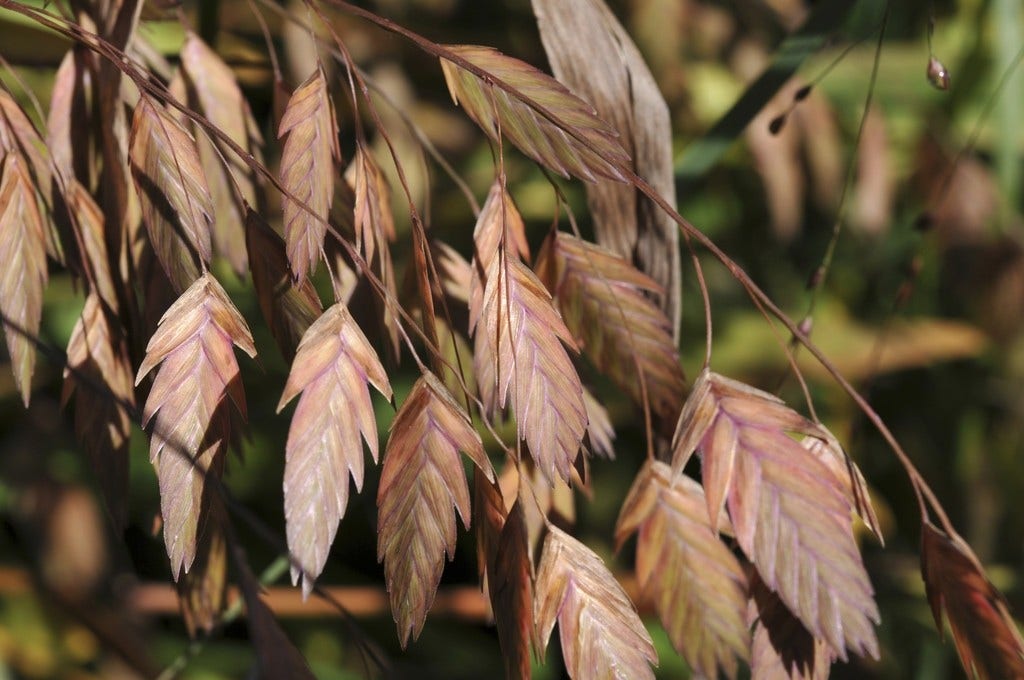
<point x="926" y="321"/>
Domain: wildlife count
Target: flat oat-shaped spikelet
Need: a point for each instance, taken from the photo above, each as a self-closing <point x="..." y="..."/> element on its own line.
<point x="23" y="253"/>
<point x="526" y="335"/>
<point x="333" y="368"/>
<point x="175" y="197"/>
<point x="288" y="309"/>
<point x="603" y="302"/>
<point x="986" y="637"/>
<point x="782" y="648"/>
<point x="307" y="171"/>
<point x="224" y="105"/>
<point x="193" y="347"/>
<point x="98" y="355"/>
<point x="422" y="484"/>
<point x="537" y="113"/>
<point x="792" y="515"/>
<point x="696" y="584"/>
<point x="601" y="634"/>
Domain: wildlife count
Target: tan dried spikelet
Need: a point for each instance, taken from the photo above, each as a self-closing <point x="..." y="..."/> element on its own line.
<point x="791" y="514"/>
<point x="601" y="634"/>
<point x="307" y="171"/>
<point x="536" y="113"/>
<point x="333" y="368"/>
<point x="422" y="484"/>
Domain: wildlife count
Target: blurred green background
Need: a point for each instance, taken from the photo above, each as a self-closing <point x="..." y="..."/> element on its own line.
<point x="923" y="315"/>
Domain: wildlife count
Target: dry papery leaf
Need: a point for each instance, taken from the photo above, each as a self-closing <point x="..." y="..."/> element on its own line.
<point x="608" y="71"/>
<point x="986" y="636"/>
<point x="288" y="309"/>
<point x="99" y="374"/>
<point x="603" y="302"/>
<point x="696" y="584"/>
<point x="782" y="648"/>
<point x="23" y="252"/>
<point x="172" y="189"/>
<point x="333" y="368"/>
<point x="536" y="113"/>
<point x="524" y="332"/>
<point x="307" y="171"/>
<point x="601" y="634"/>
<point x="791" y="514"/>
<point x="422" y="483"/>
<point x="187" y="408"/>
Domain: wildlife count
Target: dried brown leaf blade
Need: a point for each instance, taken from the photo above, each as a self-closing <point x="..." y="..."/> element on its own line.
<point x="525" y="333"/>
<point x="187" y="402"/>
<point x="23" y="252"/>
<point x="422" y="484"/>
<point x="173" y="192"/>
<point x="99" y="374"/>
<point x="333" y="368"/>
<point x="288" y="308"/>
<point x="307" y="171"/>
<point x="602" y="635"/>
<point x="607" y="70"/>
<point x="536" y="113"/>
<point x="792" y="516"/>
<point x="604" y="302"/>
<point x="986" y="637"/>
<point x="696" y="584"/>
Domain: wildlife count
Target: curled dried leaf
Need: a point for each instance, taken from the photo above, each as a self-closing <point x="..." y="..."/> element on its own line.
<point x="536" y="113"/>
<point x="187" y="405"/>
<point x="603" y="301"/>
<point x="601" y="634"/>
<point x="333" y="368"/>
<point x="307" y="171"/>
<point x="695" y="582"/>
<point x="792" y="515"/>
<point x="986" y="637"/>
<point x="173" y="192"/>
<point x="422" y="484"/>
<point x="24" y="276"/>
